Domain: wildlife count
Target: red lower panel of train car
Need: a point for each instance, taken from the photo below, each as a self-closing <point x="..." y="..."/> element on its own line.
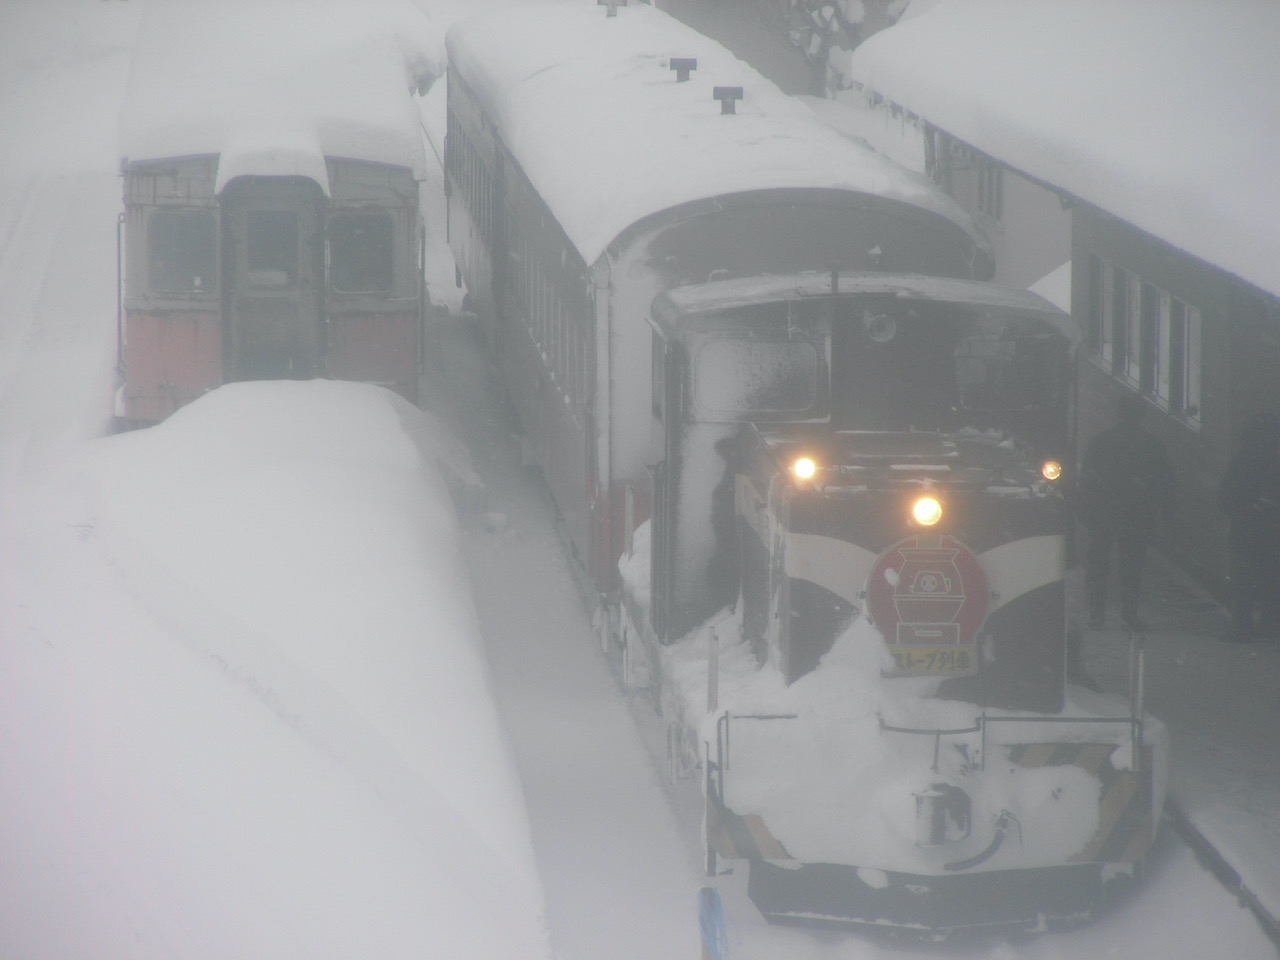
<point x="376" y="348"/>
<point x="173" y="357"/>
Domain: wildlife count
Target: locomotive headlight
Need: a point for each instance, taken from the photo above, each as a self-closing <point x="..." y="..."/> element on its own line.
<point x="927" y="511"/>
<point x="805" y="468"/>
<point x="1051" y="469"/>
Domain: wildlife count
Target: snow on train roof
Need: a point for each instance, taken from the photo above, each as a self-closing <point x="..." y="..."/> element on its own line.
<point x="589" y="106"/>
<point x="1161" y="112"/>
<point x="274" y="88"/>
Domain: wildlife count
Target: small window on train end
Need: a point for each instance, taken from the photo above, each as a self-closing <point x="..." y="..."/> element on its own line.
<point x="739" y="377"/>
<point x="181" y="245"/>
<point x="361" y="251"/>
<point x="271" y="249"/>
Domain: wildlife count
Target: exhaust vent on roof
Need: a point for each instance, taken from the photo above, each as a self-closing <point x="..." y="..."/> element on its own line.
<point x="728" y="97"/>
<point x="683" y="66"/>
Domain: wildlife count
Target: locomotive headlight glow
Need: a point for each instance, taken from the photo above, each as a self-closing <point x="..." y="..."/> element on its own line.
<point x="805" y="468"/>
<point x="927" y="511"/>
<point x="1051" y="469"/>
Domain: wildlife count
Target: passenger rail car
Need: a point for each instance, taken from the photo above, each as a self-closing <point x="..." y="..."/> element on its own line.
<point x="792" y="427"/>
<point x="271" y="225"/>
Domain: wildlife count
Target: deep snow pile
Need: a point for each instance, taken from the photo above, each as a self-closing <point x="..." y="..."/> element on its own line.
<point x="245" y="707"/>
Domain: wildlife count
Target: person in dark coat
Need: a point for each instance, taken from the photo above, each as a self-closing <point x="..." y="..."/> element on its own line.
<point x="1250" y="497"/>
<point x="1126" y="488"/>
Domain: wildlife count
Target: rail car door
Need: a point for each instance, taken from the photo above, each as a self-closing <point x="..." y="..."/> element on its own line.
<point x="274" y="284"/>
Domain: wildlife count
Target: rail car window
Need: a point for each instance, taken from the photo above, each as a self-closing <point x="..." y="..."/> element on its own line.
<point x="1121" y="322"/>
<point x="181" y="254"/>
<point x="740" y="376"/>
<point x="271" y="249"/>
<point x="361" y="251"/>
<point x="1145" y="336"/>
<point x="777" y="237"/>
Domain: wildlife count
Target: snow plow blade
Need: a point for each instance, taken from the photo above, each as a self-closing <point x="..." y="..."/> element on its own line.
<point x="835" y="895"/>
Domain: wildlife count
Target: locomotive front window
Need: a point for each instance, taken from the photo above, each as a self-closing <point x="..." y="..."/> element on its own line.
<point x="181" y="256"/>
<point x="935" y="368"/>
<point x="361" y="251"/>
<point x="737" y="377"/>
<point x="997" y="372"/>
<point x="271" y="248"/>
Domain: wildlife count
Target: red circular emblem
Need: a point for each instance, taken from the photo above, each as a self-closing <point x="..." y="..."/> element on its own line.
<point x="928" y="590"/>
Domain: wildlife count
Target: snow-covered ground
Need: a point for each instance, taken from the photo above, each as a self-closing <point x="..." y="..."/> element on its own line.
<point x="246" y="708"/>
<point x="243" y="705"/>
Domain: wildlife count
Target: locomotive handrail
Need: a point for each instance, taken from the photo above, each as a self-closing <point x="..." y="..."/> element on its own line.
<point x="979" y="726"/>
<point x="722" y="732"/>
<point x="120" y="218"/>
<point x="715" y="770"/>
<point x="936" y="733"/>
<point x="1134" y="720"/>
<point x="932" y="731"/>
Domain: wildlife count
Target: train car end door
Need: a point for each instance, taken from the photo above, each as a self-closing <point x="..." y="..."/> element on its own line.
<point x="274" y="283"/>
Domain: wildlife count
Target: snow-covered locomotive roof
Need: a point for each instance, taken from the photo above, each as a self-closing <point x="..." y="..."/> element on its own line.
<point x="274" y="88"/>
<point x="971" y="294"/>
<point x="593" y="112"/>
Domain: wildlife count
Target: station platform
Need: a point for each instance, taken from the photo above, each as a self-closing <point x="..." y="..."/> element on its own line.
<point x="1221" y="703"/>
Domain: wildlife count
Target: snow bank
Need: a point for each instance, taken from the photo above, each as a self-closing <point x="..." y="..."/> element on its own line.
<point x="251" y="717"/>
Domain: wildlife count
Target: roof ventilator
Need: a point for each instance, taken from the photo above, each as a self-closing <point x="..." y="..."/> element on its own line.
<point x="683" y="66"/>
<point x="728" y="97"/>
<point x="613" y="6"/>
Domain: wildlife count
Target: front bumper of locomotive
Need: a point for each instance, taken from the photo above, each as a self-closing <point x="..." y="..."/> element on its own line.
<point x="827" y="894"/>
<point x="1073" y="840"/>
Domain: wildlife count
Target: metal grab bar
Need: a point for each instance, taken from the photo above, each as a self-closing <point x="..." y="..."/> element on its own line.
<point x="1134" y="720"/>
<point x="722" y="732"/>
<point x="1137" y="691"/>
